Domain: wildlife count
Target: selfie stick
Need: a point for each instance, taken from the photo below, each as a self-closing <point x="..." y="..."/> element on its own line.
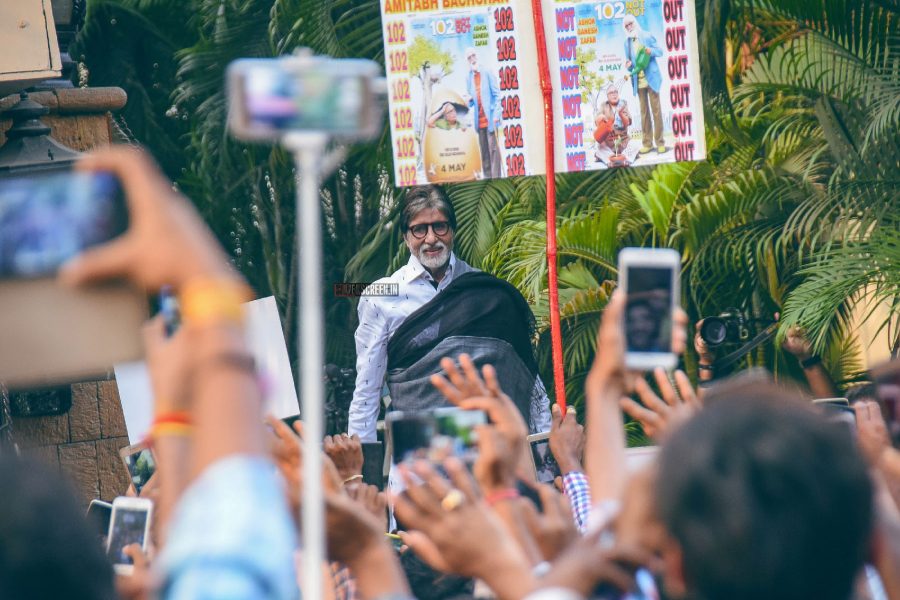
<point x="312" y="164"/>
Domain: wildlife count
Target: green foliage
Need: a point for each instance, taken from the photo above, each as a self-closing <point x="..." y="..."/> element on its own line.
<point x="425" y="53"/>
<point x="794" y="210"/>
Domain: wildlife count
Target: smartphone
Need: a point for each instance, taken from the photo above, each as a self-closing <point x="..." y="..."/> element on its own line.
<point x="53" y="334"/>
<point x="838" y="410"/>
<point x="435" y="434"/>
<point x="129" y="524"/>
<point x="271" y="96"/>
<point x="546" y="469"/>
<point x="98" y="516"/>
<point x="456" y="433"/>
<point x="410" y="433"/>
<point x="139" y="463"/>
<point x="649" y="277"/>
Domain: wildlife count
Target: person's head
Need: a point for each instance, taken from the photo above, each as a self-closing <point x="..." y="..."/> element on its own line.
<point x="612" y="95"/>
<point x="472" y="59"/>
<point x="762" y="497"/>
<point x="450" y="113"/>
<point x="631" y="26"/>
<point x="642" y="325"/>
<point x="47" y="548"/>
<point x="428" y="224"/>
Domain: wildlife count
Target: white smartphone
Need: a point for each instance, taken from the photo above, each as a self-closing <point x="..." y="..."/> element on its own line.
<point x="649" y="277"/>
<point x="139" y="463"/>
<point x="129" y="524"/>
<point x="268" y="97"/>
<point x="546" y="469"/>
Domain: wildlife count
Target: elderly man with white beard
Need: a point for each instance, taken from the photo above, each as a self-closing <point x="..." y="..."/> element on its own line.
<point x="428" y="224"/>
<point x="442" y="308"/>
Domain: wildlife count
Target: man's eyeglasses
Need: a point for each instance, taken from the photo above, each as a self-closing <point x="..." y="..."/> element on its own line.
<point x="421" y="230"/>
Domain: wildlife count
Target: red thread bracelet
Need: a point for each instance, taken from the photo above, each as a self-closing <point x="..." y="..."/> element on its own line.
<point x="501" y="495"/>
<point x="178" y="416"/>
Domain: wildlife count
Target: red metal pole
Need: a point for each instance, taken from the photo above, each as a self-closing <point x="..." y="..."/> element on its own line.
<point x="552" y="283"/>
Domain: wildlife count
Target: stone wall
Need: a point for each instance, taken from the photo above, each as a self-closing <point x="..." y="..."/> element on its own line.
<point x="83" y="443"/>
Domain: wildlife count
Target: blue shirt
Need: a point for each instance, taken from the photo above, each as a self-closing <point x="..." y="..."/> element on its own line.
<point x="231" y="536"/>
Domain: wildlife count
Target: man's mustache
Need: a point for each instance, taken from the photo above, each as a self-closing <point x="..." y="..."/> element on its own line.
<point x="437" y="246"/>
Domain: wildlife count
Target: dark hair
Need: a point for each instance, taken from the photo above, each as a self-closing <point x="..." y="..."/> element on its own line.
<point x="767" y="499"/>
<point x="862" y="391"/>
<point x="47" y="548"/>
<point x="425" y="582"/>
<point x="420" y="197"/>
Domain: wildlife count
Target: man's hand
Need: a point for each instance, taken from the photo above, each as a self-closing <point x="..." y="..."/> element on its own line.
<point x="345" y="452"/>
<point x="587" y="564"/>
<point x="553" y="528"/>
<point x="566" y="440"/>
<point x="138" y="585"/>
<point x="168" y="365"/>
<point x="628" y="64"/>
<point x="495" y="467"/>
<point x="872" y="432"/>
<point x="703" y="352"/>
<point x="468" y="391"/>
<point x="166" y="243"/>
<point x="795" y="343"/>
<point x="471" y="540"/>
<point x="660" y="417"/>
<point x="371" y="499"/>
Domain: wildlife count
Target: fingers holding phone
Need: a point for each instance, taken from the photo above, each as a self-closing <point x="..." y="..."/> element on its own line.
<point x="166" y="242"/>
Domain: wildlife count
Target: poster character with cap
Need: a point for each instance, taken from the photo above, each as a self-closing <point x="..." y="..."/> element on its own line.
<point x="641" y="52"/>
<point x="483" y="95"/>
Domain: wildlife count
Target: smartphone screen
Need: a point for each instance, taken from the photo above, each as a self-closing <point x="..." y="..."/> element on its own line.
<point x="546" y="468"/>
<point x="129" y="526"/>
<point x="317" y="99"/>
<point x="46" y="220"/>
<point x="411" y="435"/>
<point x="648" y="309"/>
<point x="141" y="467"/>
<point x="455" y="434"/>
<point x="435" y="435"/>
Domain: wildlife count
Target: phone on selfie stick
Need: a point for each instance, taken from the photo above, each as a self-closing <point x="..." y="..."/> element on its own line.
<point x="649" y="277"/>
<point x="129" y="524"/>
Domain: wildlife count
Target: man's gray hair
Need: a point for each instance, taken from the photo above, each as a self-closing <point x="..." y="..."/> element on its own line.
<point x="421" y="197"/>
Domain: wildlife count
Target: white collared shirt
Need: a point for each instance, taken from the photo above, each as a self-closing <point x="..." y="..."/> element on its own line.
<point x="379" y="318"/>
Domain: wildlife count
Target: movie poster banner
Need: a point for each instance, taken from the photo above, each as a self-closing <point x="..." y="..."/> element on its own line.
<point x="626" y="82"/>
<point x="463" y="90"/>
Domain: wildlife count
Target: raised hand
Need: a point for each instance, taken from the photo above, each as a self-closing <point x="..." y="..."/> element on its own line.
<point x="566" y="440"/>
<point x="345" y="451"/>
<point x="660" y="416"/>
<point x="469" y="537"/>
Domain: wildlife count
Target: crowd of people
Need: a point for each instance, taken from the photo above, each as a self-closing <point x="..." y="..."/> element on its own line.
<point x="755" y="493"/>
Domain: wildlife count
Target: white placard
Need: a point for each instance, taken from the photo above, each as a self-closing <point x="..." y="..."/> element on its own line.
<point x="265" y="341"/>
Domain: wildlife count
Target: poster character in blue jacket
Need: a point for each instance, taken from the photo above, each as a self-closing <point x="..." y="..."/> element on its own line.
<point x="483" y="95"/>
<point x="646" y="80"/>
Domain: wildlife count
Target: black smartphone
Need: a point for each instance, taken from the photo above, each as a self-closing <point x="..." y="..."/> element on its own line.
<point x="52" y="333"/>
<point x="98" y="514"/>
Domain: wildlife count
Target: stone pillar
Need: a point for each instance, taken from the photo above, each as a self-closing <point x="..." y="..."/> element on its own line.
<point x="83" y="443"/>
